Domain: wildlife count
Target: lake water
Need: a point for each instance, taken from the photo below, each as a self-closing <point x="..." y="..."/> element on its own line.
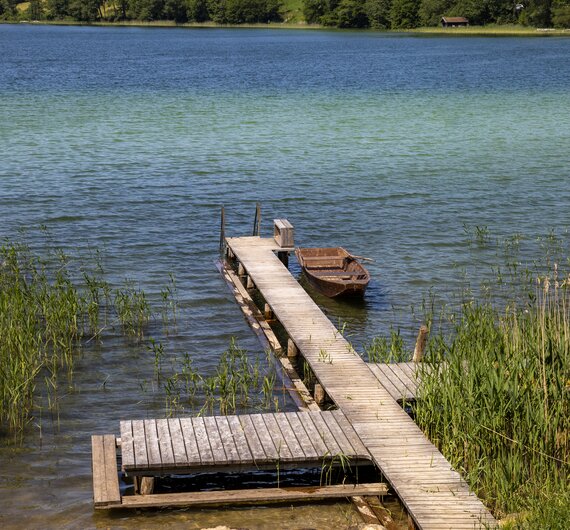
<point x="131" y="139"/>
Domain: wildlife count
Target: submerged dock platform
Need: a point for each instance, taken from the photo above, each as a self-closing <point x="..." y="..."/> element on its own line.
<point x="434" y="494"/>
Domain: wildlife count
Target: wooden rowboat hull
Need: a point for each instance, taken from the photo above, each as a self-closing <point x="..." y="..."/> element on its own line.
<point x="333" y="271"/>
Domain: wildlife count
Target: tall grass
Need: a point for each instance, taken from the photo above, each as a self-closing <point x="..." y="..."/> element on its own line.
<point x="237" y="384"/>
<point x="498" y="404"/>
<point x="49" y="307"/>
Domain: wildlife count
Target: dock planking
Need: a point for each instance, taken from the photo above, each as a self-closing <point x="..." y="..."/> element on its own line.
<point x="244" y="441"/>
<point x="433" y="493"/>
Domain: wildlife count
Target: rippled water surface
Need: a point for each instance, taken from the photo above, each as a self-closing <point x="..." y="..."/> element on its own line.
<point x="130" y="140"/>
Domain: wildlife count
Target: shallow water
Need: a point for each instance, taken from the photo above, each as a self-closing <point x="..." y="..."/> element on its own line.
<point x="130" y="140"/>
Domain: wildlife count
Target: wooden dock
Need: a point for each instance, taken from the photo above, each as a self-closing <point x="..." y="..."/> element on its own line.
<point x="433" y="493"/>
<point x="237" y="442"/>
<point x="246" y="442"/>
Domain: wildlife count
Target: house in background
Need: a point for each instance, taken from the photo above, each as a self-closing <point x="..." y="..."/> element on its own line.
<point x="454" y="22"/>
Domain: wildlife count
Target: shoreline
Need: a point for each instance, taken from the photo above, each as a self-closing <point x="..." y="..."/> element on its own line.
<point x="470" y="31"/>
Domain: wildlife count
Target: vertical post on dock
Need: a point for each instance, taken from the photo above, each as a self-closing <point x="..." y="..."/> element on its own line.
<point x="257" y="219"/>
<point x="319" y="394"/>
<point x="267" y="312"/>
<point x="292" y="350"/>
<point x="249" y="283"/>
<point x="421" y="341"/>
<point x="222" y="231"/>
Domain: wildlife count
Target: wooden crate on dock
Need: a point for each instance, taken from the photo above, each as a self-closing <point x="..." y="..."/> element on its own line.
<point x="283" y="233"/>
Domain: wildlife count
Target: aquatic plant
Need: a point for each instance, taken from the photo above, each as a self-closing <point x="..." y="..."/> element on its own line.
<point x="498" y="404"/>
<point x="50" y="306"/>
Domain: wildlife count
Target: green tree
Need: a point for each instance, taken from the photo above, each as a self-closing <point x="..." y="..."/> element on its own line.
<point x="84" y="10"/>
<point x="35" y="10"/>
<point x="378" y="13"/>
<point x="176" y="10"/>
<point x="404" y="14"/>
<point x="314" y="10"/>
<point x="57" y="9"/>
<point x="197" y="10"/>
<point x="217" y="11"/>
<point x="561" y="14"/>
<point x="537" y="13"/>
<point x="431" y="11"/>
<point x="146" y="10"/>
<point x="351" y="14"/>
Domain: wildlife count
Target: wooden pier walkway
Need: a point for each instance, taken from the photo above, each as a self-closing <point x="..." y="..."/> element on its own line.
<point x="237" y="442"/>
<point x="225" y="444"/>
<point x="433" y="493"/>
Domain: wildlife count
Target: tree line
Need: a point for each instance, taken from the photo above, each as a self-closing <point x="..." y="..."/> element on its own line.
<point x="408" y="14"/>
<point x="179" y="11"/>
<point x="378" y="14"/>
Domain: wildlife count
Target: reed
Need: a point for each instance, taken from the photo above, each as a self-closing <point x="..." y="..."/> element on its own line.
<point x="498" y="402"/>
<point x="236" y="385"/>
<point x="50" y="306"/>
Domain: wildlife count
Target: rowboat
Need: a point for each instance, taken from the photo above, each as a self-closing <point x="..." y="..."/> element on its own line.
<point x="333" y="271"/>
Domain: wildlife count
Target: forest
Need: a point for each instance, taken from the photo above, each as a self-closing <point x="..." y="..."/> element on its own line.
<point x="376" y="14"/>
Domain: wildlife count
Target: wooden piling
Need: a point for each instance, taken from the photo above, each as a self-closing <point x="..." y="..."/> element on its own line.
<point x="222" y="231"/>
<point x="319" y="394"/>
<point x="257" y="220"/>
<point x="421" y="342"/>
<point x="267" y="313"/>
<point x="249" y="283"/>
<point x="292" y="350"/>
<point x="241" y="270"/>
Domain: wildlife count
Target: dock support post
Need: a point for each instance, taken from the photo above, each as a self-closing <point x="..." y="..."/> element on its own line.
<point x="283" y="258"/>
<point x="267" y="312"/>
<point x="319" y="394"/>
<point x="249" y="283"/>
<point x="292" y="350"/>
<point x="257" y="220"/>
<point x="144" y="485"/>
<point x="222" y="231"/>
<point x="241" y="270"/>
<point x="420" y="344"/>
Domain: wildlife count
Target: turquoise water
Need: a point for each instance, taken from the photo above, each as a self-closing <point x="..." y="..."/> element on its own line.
<point x="130" y="140"/>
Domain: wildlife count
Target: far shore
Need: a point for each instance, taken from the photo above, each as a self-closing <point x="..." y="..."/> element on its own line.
<point x="474" y="31"/>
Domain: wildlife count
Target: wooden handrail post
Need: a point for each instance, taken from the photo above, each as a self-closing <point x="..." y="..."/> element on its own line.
<point x="257" y="220"/>
<point x="421" y="341"/>
<point x="222" y="231"/>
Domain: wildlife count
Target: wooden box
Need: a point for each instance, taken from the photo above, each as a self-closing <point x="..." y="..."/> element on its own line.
<point x="283" y="233"/>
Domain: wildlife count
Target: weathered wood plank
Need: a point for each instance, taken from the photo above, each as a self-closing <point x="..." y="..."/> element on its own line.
<point x="302" y="436"/>
<point x="178" y="445"/>
<point x="297" y="453"/>
<point x="312" y="431"/>
<point x="190" y="442"/>
<point x="127" y="446"/>
<point x="206" y="455"/>
<point x="253" y="440"/>
<point x="139" y="442"/>
<point x="227" y="437"/>
<point x="332" y="446"/>
<point x="240" y="439"/>
<point x="165" y="443"/>
<point x="152" y="446"/>
<point x="215" y="440"/>
<point x="264" y="437"/>
<point x="255" y="496"/>
<point x="279" y="440"/>
<point x="105" y="475"/>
